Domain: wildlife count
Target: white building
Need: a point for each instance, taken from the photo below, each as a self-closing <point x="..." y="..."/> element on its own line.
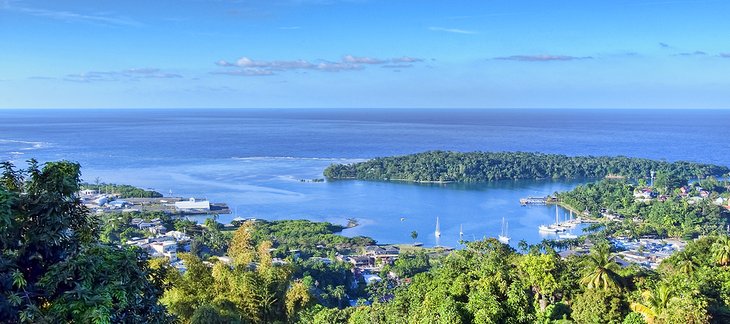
<point x="166" y="248"/>
<point x="192" y="204"/>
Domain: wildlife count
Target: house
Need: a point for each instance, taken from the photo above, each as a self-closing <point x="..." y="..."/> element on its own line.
<point x="645" y="193"/>
<point x="361" y="261"/>
<point x="326" y="261"/>
<point x="180" y="236"/>
<point x="165" y="248"/>
<point x="371" y="278"/>
<point x="141" y="224"/>
<point x="193" y="204"/>
<point x="158" y="229"/>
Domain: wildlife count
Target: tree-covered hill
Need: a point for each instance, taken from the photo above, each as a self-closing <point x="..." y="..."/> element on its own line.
<point x="124" y="191"/>
<point x="445" y="166"/>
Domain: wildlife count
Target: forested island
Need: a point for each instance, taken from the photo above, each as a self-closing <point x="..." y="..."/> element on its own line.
<point x="445" y="166"/>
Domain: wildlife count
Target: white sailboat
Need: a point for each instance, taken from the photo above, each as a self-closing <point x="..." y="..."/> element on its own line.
<point x="554" y="228"/>
<point x="503" y="238"/>
<point x="438" y="229"/>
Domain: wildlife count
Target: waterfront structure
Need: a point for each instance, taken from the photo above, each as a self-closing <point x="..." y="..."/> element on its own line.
<point x="193" y="204"/>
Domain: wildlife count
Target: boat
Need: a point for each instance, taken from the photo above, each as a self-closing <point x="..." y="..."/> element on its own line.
<point x="567" y="236"/>
<point x="554" y="228"/>
<point x="547" y="229"/>
<point x="461" y="232"/>
<point x="503" y="238"/>
<point x="438" y="229"/>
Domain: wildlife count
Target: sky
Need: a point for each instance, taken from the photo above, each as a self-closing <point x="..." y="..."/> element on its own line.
<point x="364" y="53"/>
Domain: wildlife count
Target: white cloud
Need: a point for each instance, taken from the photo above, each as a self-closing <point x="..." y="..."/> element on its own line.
<point x="70" y="16"/>
<point x="362" y="60"/>
<point x="124" y="75"/>
<point x="246" y="66"/>
<point x="452" y="30"/>
<point x="542" y="58"/>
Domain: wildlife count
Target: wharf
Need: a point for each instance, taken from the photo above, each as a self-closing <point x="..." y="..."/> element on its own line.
<point x="538" y="201"/>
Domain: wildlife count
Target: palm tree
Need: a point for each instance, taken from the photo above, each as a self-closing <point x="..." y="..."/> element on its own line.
<point x="601" y="269"/>
<point x="684" y="263"/>
<point x="721" y="250"/>
<point x="523" y="246"/>
<point x="655" y="302"/>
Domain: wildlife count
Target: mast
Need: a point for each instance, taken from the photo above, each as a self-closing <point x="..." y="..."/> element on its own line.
<point x="557" y="220"/>
<point x="461" y="232"/>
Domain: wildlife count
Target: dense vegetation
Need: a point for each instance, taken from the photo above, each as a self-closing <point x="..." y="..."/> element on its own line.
<point x="489" y="166"/>
<point x="57" y="267"/>
<point x="671" y="214"/>
<point x="53" y="269"/>
<point x="489" y="283"/>
<point x="310" y="238"/>
<point x="123" y="191"/>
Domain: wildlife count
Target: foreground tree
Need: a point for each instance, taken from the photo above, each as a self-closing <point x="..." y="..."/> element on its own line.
<point x="721" y="250"/>
<point x="52" y="268"/>
<point x="601" y="269"/>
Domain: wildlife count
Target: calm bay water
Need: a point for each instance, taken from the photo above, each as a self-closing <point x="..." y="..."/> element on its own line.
<point x="253" y="159"/>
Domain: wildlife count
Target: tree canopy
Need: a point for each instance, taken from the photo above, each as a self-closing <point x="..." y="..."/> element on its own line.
<point x="52" y="267"/>
<point x="488" y="166"/>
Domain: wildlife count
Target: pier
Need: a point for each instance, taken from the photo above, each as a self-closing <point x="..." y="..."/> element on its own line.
<point x="538" y="200"/>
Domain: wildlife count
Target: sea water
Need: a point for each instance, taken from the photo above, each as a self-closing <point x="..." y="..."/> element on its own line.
<point x="254" y="159"/>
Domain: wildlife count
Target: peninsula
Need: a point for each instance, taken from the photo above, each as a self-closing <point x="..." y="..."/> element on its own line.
<point x="448" y="166"/>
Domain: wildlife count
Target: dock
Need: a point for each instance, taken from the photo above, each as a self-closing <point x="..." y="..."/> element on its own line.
<point x="538" y="200"/>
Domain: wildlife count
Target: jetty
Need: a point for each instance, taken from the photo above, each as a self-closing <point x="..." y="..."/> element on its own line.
<point x="538" y="200"/>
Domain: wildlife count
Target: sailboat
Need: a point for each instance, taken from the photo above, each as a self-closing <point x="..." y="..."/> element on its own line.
<point x="503" y="238"/>
<point x="438" y="229"/>
<point x="554" y="228"/>
<point x="461" y="232"/>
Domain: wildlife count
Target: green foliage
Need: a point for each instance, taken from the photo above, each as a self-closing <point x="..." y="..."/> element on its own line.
<point x="123" y="191"/>
<point x="251" y="289"/>
<point x="52" y="268"/>
<point x="675" y="216"/>
<point x="489" y="166"/>
<point x="601" y="270"/>
<point x="408" y="265"/>
<point x="634" y="318"/>
<point x="311" y="238"/>
<point x="599" y="306"/>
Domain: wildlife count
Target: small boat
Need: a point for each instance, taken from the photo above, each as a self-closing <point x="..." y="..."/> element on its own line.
<point x="402" y="219"/>
<point x="503" y="238"/>
<point x="547" y="229"/>
<point x="461" y="232"/>
<point x="438" y="229"/>
<point x="567" y="236"/>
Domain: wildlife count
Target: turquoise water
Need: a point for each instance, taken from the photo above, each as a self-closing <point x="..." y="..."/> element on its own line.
<point x="253" y="159"/>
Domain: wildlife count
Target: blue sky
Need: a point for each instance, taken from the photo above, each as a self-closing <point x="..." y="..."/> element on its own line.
<point x="365" y="53"/>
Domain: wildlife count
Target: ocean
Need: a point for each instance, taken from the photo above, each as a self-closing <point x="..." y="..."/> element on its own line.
<point x="253" y="159"/>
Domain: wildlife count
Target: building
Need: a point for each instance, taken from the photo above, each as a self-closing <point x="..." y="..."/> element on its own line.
<point x="361" y="261"/>
<point x="382" y="254"/>
<point x="88" y="192"/>
<point x="193" y="204"/>
<point x="165" y="248"/>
